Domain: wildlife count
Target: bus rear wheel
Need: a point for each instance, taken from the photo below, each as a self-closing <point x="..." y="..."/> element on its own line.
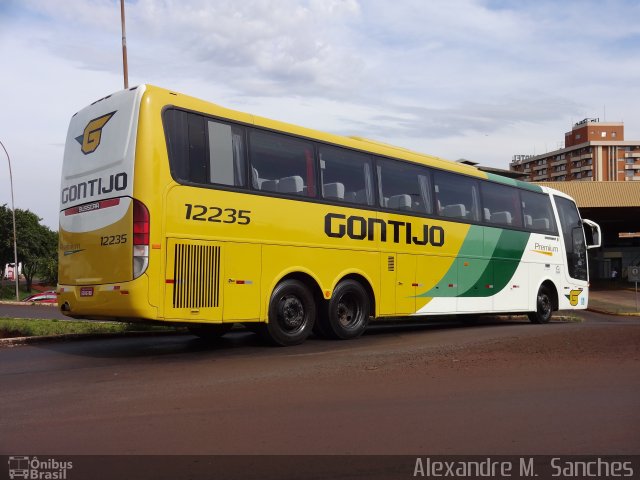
<point x="544" y="307"/>
<point x="346" y="315"/>
<point x="292" y="312"/>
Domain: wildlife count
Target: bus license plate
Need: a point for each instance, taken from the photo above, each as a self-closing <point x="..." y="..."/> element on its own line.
<point x="86" y="292"/>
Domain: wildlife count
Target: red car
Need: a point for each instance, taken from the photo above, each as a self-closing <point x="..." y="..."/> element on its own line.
<point x="42" y="297"/>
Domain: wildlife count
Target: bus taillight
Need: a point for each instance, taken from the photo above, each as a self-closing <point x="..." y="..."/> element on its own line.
<point x="140" y="238"/>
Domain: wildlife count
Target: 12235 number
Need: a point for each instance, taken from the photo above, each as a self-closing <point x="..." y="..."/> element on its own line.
<point x="203" y="213"/>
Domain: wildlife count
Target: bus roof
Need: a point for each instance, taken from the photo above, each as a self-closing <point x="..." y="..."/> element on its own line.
<point x="354" y="142"/>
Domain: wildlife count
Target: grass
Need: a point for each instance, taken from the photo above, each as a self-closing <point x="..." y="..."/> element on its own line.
<point x="25" y="327"/>
<point x="8" y="290"/>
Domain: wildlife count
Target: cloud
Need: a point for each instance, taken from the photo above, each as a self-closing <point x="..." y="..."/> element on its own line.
<point x="360" y="52"/>
<point x="260" y="47"/>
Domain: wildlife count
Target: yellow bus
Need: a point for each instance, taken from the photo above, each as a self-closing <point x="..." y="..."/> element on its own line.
<point x="178" y="210"/>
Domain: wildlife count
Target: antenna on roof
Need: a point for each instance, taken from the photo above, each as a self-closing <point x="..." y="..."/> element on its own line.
<point x="124" y="47"/>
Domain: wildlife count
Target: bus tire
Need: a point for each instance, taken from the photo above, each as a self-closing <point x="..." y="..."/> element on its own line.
<point x="210" y="331"/>
<point x="292" y="313"/>
<point x="544" y="307"/>
<point x="347" y="313"/>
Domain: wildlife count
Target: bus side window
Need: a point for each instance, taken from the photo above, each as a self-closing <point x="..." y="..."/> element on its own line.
<point x="282" y="164"/>
<point x="226" y="154"/>
<point x="404" y="186"/>
<point x="457" y="196"/>
<point x="188" y="137"/>
<point x="537" y="212"/>
<point x="345" y="175"/>
<point x="501" y="204"/>
<point x="186" y="140"/>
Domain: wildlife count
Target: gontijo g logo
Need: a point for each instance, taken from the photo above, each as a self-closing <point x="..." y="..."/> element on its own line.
<point x="90" y="138"/>
<point x="573" y="296"/>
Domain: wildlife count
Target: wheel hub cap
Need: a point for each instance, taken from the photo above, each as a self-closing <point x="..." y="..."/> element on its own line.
<point x="347" y="312"/>
<point x="292" y="313"/>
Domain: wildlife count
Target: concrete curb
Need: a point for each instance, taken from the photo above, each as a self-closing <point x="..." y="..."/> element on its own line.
<point x="17" y="341"/>
<point x="28" y="304"/>
<point x="607" y="312"/>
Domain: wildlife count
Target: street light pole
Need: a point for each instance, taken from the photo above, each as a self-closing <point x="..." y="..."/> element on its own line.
<point x="15" y="242"/>
<point x="124" y="47"/>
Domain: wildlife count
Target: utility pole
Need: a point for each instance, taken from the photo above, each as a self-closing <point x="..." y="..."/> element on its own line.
<point x="16" y="274"/>
<point x="124" y="47"/>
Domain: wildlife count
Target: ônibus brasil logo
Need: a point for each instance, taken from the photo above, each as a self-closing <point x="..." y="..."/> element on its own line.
<point x="90" y="138"/>
<point x="33" y="468"/>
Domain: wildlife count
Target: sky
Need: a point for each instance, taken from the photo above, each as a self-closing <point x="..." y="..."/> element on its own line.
<point x="477" y="79"/>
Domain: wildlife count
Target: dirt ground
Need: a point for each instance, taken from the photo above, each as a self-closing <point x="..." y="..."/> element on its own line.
<point x="503" y="387"/>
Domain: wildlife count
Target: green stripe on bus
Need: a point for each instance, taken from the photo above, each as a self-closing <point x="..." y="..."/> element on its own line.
<point x="513" y="182"/>
<point x="489" y="274"/>
<point x="470" y="254"/>
<point x="506" y="257"/>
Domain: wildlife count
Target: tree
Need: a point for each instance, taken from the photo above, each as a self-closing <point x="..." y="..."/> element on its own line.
<point x="37" y="245"/>
<point x="6" y="237"/>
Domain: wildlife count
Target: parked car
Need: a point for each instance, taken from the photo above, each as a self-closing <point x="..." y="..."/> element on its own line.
<point x="42" y="297"/>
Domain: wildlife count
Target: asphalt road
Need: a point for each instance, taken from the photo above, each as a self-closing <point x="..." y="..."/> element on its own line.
<point x="498" y="388"/>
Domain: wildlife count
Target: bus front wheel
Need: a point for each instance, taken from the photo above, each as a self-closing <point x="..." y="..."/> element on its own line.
<point x="292" y="312"/>
<point x="346" y="315"/>
<point x="544" y="307"/>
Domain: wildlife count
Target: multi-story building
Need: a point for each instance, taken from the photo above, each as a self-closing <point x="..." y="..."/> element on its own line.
<point x="593" y="150"/>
